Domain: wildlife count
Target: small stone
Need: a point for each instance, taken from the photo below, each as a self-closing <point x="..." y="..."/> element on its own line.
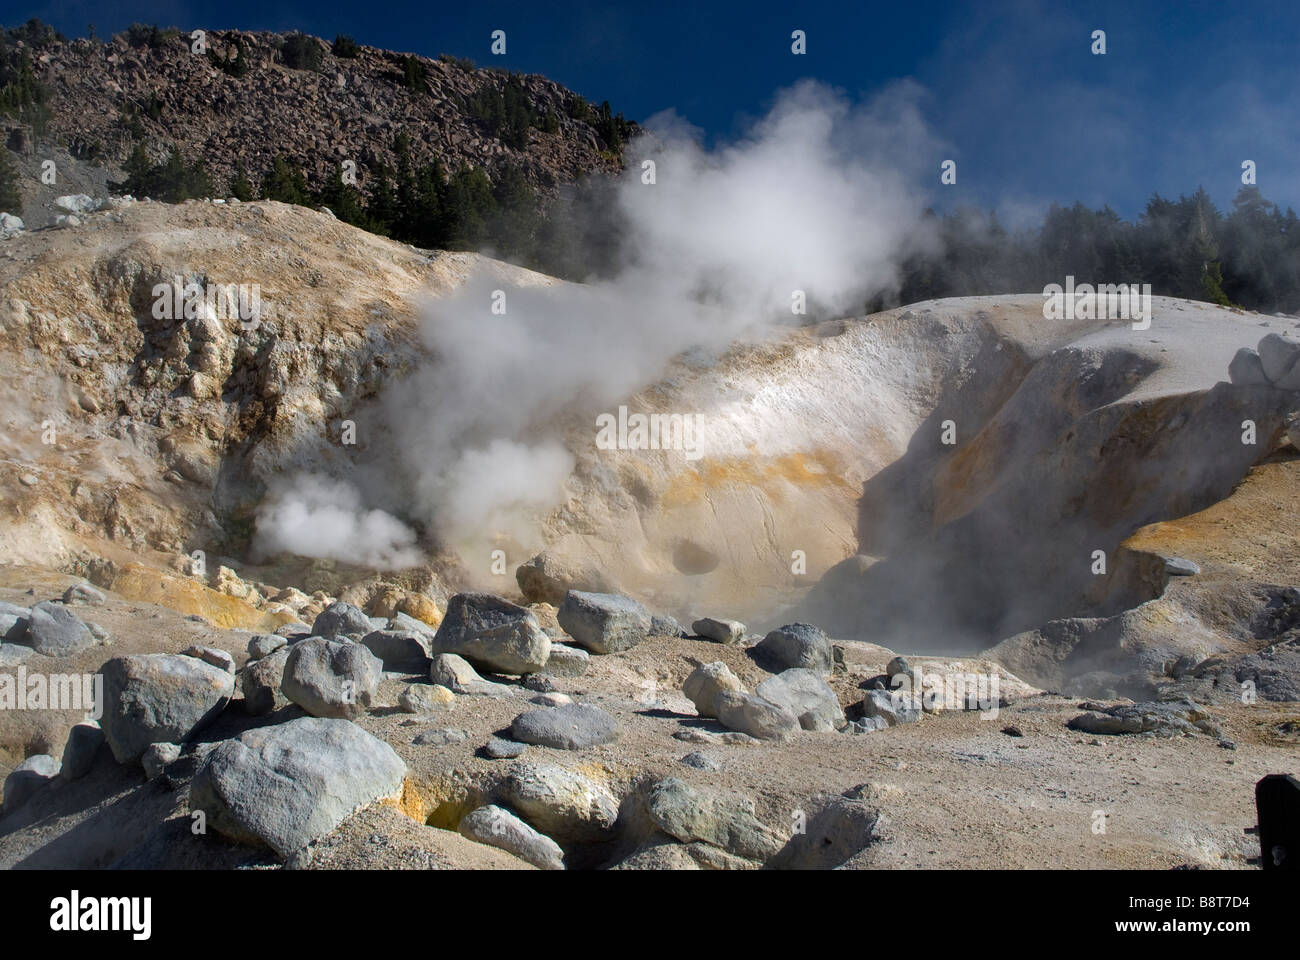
<point x="1179" y="567"/>
<point x="498" y="827"/>
<point x="84" y="741"/>
<point x="700" y="761"/>
<point x="444" y="737"/>
<point x="551" y="699"/>
<point x="572" y="727"/>
<point x="1011" y="730"/>
<point x="426" y="698"/>
<point x="157" y="756"/>
<point x="260" y="682"/>
<point x="54" y="630"/>
<point x="706" y="682"/>
<point x="265" y="644"/>
<point x="755" y="716"/>
<point x="892" y="707"/>
<point x="566" y="661"/>
<point x="1246" y="370"/>
<point x="83" y="593"/>
<point x="499" y="748"/>
<point x="456" y="674"/>
<point x="539" y="682"/>
<point x="719" y="631"/>
<point x="27" y="779"/>
<point x="341" y="619"/>
<point x="896" y="666"/>
<point x="218" y="658"/>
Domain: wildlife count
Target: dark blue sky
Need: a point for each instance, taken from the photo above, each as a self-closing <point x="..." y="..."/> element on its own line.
<point x="1186" y="92"/>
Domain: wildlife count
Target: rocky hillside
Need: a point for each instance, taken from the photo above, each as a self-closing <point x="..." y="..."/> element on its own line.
<point x="104" y="97"/>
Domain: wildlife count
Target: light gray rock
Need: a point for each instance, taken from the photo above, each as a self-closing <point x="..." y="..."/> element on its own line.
<point x="329" y="678"/>
<point x="1246" y="370"/>
<point x="265" y="644"/>
<point x="706" y="682"/>
<point x="806" y="695"/>
<point x="10" y="225"/>
<point x="426" y="698"/>
<point x="1278" y="354"/>
<point x="54" y="630"/>
<point x="662" y="625"/>
<point x="719" y="631"/>
<point x="293" y="631"/>
<point x="603" y="622"/>
<point x="1180" y="567"/>
<point x="498" y="827"/>
<point x="404" y="621"/>
<point x="441" y="737"/>
<point x="83" y="593"/>
<point x="561" y="803"/>
<point x="796" y="645"/>
<point x="341" y="619"/>
<point x="1158" y="718"/>
<point x="834" y="834"/>
<point x="572" y="727"/>
<point x="457" y="675"/>
<point x="866" y="725"/>
<point x="13" y="622"/>
<point x="755" y="716"/>
<point x="83" y="743"/>
<point x="566" y="661"/>
<point x="27" y="779"/>
<point x="291" y="783"/>
<point x="403" y="651"/>
<point x="896" y="666"/>
<point x="218" y="658"/>
<point x="157" y="757"/>
<point x="724" y="820"/>
<point x="77" y="203"/>
<point x="700" y="761"/>
<point x="727" y="737"/>
<point x="159" y="698"/>
<point x="551" y="699"/>
<point x="492" y="633"/>
<point x="260" y="682"/>
<point x="546" y="579"/>
<point x="892" y="706"/>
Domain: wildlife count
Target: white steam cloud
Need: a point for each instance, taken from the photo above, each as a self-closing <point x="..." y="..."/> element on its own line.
<point x="815" y="198"/>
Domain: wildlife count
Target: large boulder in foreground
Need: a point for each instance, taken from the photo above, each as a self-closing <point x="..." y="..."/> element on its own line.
<point x="492" y="633"/>
<point x="286" y="785"/>
<point x="159" y="698"/>
<point x="604" y="622"/>
<point x="329" y="678"/>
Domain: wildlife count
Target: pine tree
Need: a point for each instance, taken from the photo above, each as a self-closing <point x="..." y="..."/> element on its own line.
<point x="10" y="199"/>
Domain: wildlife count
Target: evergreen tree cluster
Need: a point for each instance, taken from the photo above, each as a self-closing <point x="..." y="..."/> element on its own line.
<point x="1249" y="257"/>
<point x="10" y="200"/>
<point x="22" y="96"/>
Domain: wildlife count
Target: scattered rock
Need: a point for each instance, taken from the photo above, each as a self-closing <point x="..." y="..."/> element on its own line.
<point x="572" y="727"/>
<point x="706" y="682"/>
<point x="218" y="658"/>
<point x="700" y="761"/>
<point x="1246" y="370"/>
<point x="796" y="645"/>
<point x="13" y="622"/>
<point x="498" y="827"/>
<point x="1011" y="730"/>
<point x="720" y="631"/>
<point x="806" y="695"/>
<point x="260" y="683"/>
<point x="265" y="644"/>
<point x="456" y="674"/>
<point x="567" y="661"/>
<point x="341" y="619"/>
<point x="156" y="758"/>
<point x="54" y="630"/>
<point x="1159" y="718"/>
<point x="1178" y="567"/>
<point x="755" y="716"/>
<point x="293" y="631"/>
<point x="159" y="698"/>
<point x="662" y="625"/>
<point x="540" y="682"/>
<point x="27" y="779"/>
<point x="866" y="725"/>
<point x="561" y="803"/>
<point x="328" y="678"/>
<point x="288" y="784"/>
<point x="401" y="650"/>
<point x="426" y="698"/>
<point x="83" y="743"/>
<point x="546" y="579"/>
<point x="1278" y="355"/>
<point x="551" y="699"/>
<point x="493" y="633"/>
<point x="729" y="737"/>
<point x="896" y="666"/>
<point x="604" y="622"/>
<point x="724" y="820"/>
<point x="892" y="707"/>
<point x="83" y="593"/>
<point x="499" y="748"/>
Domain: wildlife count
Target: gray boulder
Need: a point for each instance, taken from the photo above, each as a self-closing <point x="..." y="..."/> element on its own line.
<point x="422" y="698"/>
<point x="498" y="827"/>
<point x="157" y="757"/>
<point x="546" y="579"/>
<point x="457" y="675"/>
<point x="218" y="658"/>
<point x="341" y="619"/>
<point x="83" y="593"/>
<point x="27" y="779"/>
<point x="83" y="743"/>
<point x="662" y="625"/>
<point x="1278" y="355"/>
<point x="159" y="698"/>
<point x="726" y="820"/>
<point x="759" y="718"/>
<point x="807" y="695"/>
<point x="492" y="633"/>
<point x="1246" y="370"/>
<point x="1158" y="718"/>
<point x="796" y="645"/>
<point x="498" y="748"/>
<point x="603" y="622"/>
<point x="288" y="784"/>
<point x="561" y="803"/>
<point x="405" y="651"/>
<point x="54" y="630"/>
<point x="293" y="632"/>
<point x="260" y="682"/>
<point x="706" y="682"/>
<point x="719" y="631"/>
<point x="575" y="726"/>
<point x="265" y="644"/>
<point x="837" y="832"/>
<point x="328" y="678"/>
<point x="891" y="707"/>
<point x="13" y="622"/>
<point x="567" y="661"/>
